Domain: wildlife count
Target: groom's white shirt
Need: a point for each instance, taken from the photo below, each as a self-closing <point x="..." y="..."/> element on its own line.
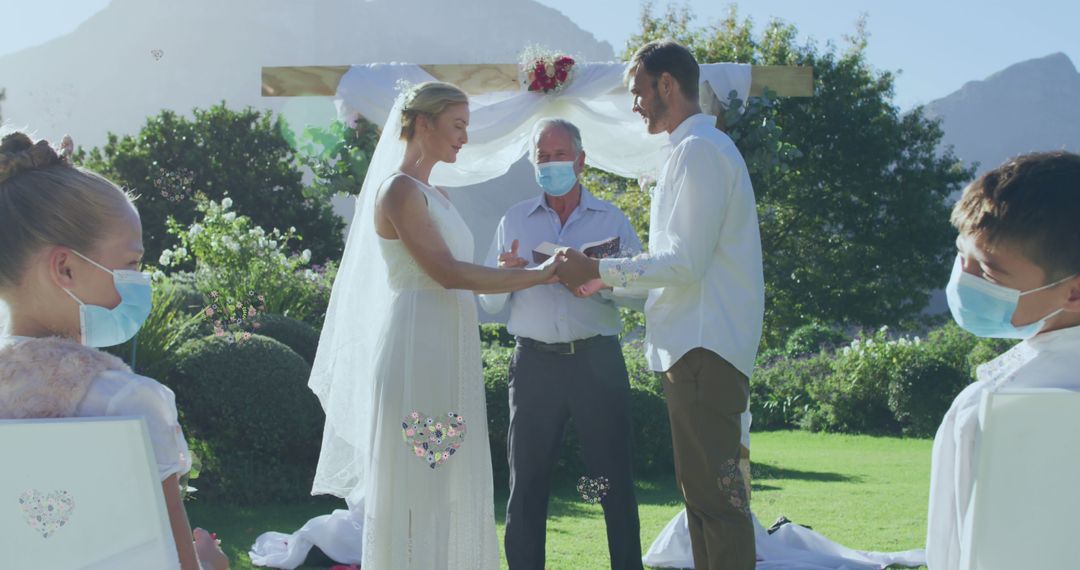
<point x="703" y="268"/>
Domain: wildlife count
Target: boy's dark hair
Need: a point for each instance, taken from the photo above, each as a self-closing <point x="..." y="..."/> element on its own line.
<point x="1031" y="202"/>
<point x="668" y="55"/>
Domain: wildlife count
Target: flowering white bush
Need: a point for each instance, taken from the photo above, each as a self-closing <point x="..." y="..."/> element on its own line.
<point x="237" y="259"/>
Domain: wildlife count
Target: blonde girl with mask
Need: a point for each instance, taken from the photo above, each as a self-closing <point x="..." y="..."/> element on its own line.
<point x="70" y="252"/>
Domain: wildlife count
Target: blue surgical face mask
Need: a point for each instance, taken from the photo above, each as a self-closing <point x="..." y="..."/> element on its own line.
<point x="986" y="309"/>
<point x="556" y="178"/>
<point x="102" y="327"/>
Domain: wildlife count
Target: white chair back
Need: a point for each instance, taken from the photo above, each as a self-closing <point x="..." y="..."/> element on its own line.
<point x="1027" y="482"/>
<point x="81" y="493"/>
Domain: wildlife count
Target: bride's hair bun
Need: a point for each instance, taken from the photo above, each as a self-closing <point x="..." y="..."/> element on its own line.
<point x="428" y="99"/>
<point x="19" y="154"/>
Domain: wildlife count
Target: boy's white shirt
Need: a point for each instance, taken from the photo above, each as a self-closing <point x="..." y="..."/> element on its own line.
<point x="1048" y="360"/>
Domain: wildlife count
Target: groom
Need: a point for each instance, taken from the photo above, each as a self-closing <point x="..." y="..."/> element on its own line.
<point x="568" y="362"/>
<point x="704" y="280"/>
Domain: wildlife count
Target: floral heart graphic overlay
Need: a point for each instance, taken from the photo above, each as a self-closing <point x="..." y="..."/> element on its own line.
<point x="593" y="490"/>
<point x="433" y="438"/>
<point x="46" y="512"/>
<point x="157" y="54"/>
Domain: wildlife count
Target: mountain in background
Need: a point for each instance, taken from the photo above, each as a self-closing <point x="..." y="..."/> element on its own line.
<point x="1029" y="106"/>
<point x="137" y="57"/>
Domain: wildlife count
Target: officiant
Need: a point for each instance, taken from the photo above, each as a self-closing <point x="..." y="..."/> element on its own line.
<point x="568" y="361"/>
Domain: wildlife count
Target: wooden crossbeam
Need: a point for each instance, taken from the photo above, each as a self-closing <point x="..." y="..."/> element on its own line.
<point x="322" y="80"/>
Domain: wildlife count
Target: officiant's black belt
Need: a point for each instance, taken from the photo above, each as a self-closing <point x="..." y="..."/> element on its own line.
<point x="572" y="347"/>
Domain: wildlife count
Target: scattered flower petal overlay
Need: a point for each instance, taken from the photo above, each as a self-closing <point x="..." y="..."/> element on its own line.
<point x="174" y="185"/>
<point x="593" y="491"/>
<point x="234" y="316"/>
<point x="433" y="439"/>
<point x="46" y="512"/>
<point x="545" y="71"/>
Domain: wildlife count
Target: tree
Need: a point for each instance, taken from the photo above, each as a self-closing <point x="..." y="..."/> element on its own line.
<point x="851" y="193"/>
<point x="219" y="152"/>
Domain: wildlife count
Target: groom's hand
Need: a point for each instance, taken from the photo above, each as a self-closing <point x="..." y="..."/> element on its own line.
<point x="578" y="269"/>
<point x="510" y="259"/>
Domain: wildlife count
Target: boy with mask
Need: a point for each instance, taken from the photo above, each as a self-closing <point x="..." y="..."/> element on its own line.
<point x="1016" y="275"/>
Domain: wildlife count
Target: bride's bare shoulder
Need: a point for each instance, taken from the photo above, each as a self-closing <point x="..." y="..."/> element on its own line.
<point x="399" y="190"/>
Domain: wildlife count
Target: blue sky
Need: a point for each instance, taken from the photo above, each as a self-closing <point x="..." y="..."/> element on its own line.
<point x="938" y="45"/>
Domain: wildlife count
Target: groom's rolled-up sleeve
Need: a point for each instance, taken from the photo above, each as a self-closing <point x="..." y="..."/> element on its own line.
<point x="703" y="181"/>
<point x="493" y="303"/>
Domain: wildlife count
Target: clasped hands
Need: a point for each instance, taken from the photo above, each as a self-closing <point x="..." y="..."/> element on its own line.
<point x="577" y="272"/>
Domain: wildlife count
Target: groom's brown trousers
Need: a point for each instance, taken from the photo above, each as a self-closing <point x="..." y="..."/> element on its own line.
<point x="706" y="396"/>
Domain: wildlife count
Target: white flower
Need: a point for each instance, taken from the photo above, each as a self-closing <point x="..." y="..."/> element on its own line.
<point x="181" y="252"/>
<point x="157" y="275"/>
<point x="918" y="340"/>
<point x="195" y="230"/>
<point x="292" y="229"/>
<point x="229" y="216"/>
<point x="166" y="258"/>
<point x="305" y="256"/>
<point x="226" y="203"/>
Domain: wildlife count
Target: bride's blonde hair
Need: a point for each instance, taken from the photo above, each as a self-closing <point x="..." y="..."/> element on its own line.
<point x="429" y="99"/>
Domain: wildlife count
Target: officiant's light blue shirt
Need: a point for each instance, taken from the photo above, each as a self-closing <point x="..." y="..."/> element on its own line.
<point x="551" y="313"/>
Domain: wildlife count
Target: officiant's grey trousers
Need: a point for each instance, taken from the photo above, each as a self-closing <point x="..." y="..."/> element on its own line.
<point x="706" y="397"/>
<point x="546" y="389"/>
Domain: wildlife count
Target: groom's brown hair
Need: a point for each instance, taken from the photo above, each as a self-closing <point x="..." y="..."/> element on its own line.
<point x="668" y="55"/>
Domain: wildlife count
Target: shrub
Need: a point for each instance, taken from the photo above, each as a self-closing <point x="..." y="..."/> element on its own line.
<point x="217" y="151"/>
<point x="301" y="337"/>
<point x="248" y="403"/>
<point x="854" y="398"/>
<point x="235" y="259"/>
<point x="921" y="391"/>
<point x="496" y="334"/>
<point x="779" y="398"/>
<point x="813" y="338"/>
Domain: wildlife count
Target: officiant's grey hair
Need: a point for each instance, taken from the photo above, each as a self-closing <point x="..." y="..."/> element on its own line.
<point x="545" y="124"/>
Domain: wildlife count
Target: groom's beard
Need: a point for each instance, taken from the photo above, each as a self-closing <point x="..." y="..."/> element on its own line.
<point x="657" y="115"/>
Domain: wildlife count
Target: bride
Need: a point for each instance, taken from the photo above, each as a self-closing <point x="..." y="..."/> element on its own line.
<point x="398" y="369"/>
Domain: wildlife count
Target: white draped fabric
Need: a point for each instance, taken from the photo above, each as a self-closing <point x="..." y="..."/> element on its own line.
<point x="791" y="547"/>
<point x="596" y="101"/>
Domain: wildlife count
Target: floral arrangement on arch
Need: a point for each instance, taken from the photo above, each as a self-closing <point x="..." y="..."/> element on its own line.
<point x="545" y="71"/>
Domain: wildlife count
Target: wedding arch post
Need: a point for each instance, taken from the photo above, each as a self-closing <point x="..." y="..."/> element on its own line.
<point x="477" y="79"/>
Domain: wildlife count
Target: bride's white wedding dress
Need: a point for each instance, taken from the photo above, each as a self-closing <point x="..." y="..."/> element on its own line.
<point x="428" y="497"/>
<point x="405" y="443"/>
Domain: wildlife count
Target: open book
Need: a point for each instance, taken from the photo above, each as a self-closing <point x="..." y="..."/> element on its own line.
<point x="598" y="249"/>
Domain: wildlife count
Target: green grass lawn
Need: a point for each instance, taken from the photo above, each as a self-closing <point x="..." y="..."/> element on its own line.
<point x="868" y="493"/>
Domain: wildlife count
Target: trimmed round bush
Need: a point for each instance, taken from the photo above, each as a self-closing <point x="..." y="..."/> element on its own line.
<point x="247" y="401"/>
<point x="301" y="337"/>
